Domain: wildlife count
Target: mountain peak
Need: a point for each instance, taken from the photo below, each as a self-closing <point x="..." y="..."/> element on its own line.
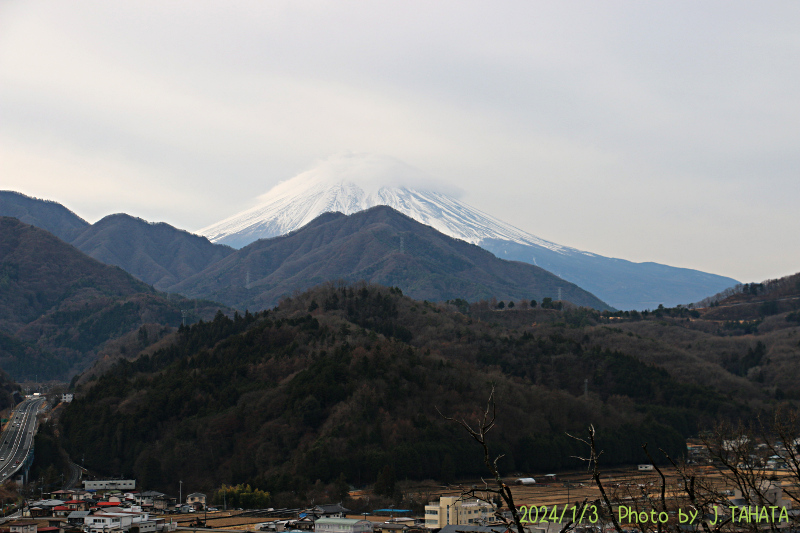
<point x="352" y="182"/>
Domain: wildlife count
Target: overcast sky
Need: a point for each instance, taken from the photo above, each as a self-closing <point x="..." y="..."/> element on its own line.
<point x="651" y="131"/>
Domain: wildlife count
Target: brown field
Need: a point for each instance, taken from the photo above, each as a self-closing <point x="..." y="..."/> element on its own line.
<point x="572" y="488"/>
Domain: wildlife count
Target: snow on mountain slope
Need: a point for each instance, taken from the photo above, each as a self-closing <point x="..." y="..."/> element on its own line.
<point x="354" y="182"/>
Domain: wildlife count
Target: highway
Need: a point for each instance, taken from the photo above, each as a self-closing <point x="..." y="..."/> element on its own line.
<point x="17" y="439"/>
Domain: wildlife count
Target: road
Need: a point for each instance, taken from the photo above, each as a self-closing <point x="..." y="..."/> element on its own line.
<point x="17" y="439"/>
<point x="74" y="476"/>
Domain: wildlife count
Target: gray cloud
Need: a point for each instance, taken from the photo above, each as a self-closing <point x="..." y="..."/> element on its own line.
<point x="649" y="131"/>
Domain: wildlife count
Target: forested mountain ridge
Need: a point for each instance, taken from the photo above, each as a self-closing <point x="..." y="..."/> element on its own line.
<point x="379" y="245"/>
<point x="155" y="253"/>
<point x="45" y="214"/>
<point x="394" y="250"/>
<point x="346" y="380"/>
<point x="58" y="307"/>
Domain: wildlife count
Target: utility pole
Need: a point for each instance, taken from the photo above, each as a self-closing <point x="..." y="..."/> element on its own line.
<point x="180" y="492"/>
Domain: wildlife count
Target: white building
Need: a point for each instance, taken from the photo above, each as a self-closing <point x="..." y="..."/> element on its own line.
<point x="119" y="521"/>
<point x="451" y="510"/>
<point x="342" y="525"/>
<point x="196" y="498"/>
<point x="66" y="398"/>
<point x="104" y="522"/>
<point x="110" y="484"/>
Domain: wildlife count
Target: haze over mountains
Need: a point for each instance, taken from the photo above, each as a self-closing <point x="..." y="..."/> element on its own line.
<point x="379" y="245"/>
<point x="175" y="260"/>
<point x="353" y="182"/>
<point x="156" y="253"/>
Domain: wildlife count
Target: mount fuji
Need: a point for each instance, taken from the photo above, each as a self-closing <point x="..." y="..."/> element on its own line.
<point x="350" y="183"/>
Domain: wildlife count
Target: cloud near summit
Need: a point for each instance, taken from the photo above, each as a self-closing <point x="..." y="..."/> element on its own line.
<point x="368" y="171"/>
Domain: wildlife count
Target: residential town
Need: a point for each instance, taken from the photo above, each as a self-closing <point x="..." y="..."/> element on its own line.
<point x="116" y="506"/>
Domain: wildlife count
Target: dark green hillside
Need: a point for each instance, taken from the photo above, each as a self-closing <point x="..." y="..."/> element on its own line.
<point x="39" y="271"/>
<point x="8" y="390"/>
<point x="380" y="246"/>
<point x="26" y="360"/>
<point x="346" y="379"/>
<point x="58" y="307"/>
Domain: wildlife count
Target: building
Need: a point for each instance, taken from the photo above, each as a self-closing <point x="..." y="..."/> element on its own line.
<point x="196" y="500"/>
<point x="451" y="510"/>
<point x="66" y="398"/>
<point x="77" y="518"/>
<point x="110" y="484"/>
<point x="334" y="510"/>
<point x="390" y="527"/>
<point x="149" y="498"/>
<point x="769" y="493"/>
<point x="120" y="521"/>
<point x="101" y="522"/>
<point x="23" y="526"/>
<point x="77" y="505"/>
<point x="342" y="525"/>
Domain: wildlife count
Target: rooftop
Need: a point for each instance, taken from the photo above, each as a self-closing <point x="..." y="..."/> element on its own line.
<point x="339" y="521"/>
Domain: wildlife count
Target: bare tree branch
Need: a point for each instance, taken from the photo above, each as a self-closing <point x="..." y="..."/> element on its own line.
<point x="592" y="466"/>
<point x="479" y="434"/>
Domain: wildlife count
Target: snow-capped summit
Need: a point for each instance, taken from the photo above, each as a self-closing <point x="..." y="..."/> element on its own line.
<point x="350" y="183"/>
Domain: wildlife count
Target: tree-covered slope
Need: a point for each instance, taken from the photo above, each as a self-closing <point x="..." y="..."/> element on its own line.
<point x="58" y="307"/>
<point x="348" y="379"/>
<point x="157" y="254"/>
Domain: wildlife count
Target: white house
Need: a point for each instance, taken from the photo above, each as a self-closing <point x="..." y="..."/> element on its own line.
<point x="121" y="521"/>
<point x="196" y="499"/>
<point x="104" y="522"/>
